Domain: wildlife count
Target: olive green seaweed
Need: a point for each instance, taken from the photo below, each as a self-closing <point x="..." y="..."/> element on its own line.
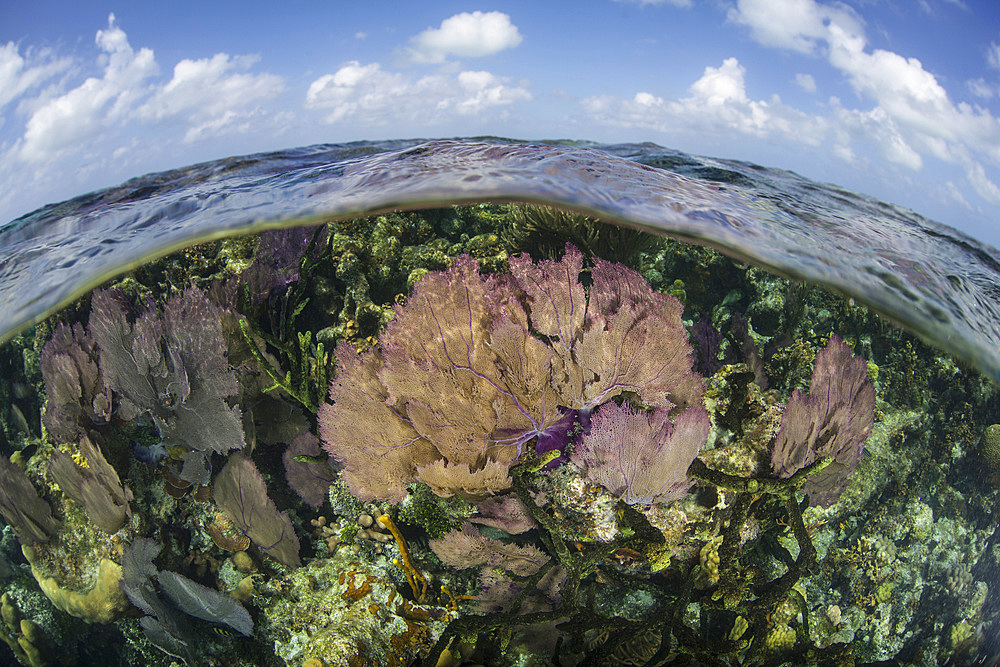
<point x="307" y="374"/>
<point x="730" y="599"/>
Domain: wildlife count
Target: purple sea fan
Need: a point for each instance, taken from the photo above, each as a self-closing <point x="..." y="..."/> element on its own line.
<point x="95" y="485"/>
<point x="641" y="456"/>
<point x="240" y="493"/>
<point x="622" y="336"/>
<point x="506" y="513"/>
<point x="706" y="342"/>
<point x="309" y="479"/>
<point x="75" y="391"/>
<point x="22" y="509"/>
<point x="833" y="419"/>
<point x="467" y="548"/>
<point x="474" y="368"/>
<point x="172" y="367"/>
<point x="457" y="388"/>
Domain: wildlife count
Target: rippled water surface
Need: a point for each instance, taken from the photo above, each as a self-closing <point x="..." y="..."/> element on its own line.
<point x="932" y="279"/>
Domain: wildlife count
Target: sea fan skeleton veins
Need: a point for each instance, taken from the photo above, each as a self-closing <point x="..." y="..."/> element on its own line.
<point x="520" y="358"/>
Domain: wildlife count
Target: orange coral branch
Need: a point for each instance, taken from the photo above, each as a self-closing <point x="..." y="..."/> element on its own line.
<point x="452" y="603"/>
<point x="415" y="578"/>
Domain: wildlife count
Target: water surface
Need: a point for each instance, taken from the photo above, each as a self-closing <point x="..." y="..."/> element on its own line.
<point x="930" y="278"/>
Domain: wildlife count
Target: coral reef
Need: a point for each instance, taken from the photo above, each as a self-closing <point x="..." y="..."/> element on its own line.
<point x="677" y="458"/>
<point x="340" y="612"/>
<point x="101" y="602"/>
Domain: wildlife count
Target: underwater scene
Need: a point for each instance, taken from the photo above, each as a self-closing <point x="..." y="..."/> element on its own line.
<point x="487" y="402"/>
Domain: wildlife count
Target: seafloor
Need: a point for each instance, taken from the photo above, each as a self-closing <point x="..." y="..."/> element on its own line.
<point x="565" y="462"/>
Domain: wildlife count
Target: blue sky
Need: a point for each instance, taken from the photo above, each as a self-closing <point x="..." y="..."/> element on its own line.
<point x="899" y="99"/>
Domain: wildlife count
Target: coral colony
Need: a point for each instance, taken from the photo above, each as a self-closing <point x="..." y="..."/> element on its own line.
<point x="529" y="462"/>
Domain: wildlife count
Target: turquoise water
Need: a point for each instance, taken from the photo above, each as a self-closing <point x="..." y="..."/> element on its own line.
<point x="901" y="567"/>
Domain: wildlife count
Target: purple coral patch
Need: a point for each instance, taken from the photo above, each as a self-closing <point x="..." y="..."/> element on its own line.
<point x="474" y="368"/>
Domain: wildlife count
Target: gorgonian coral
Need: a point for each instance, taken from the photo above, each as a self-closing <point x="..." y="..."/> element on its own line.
<point x="240" y="492"/>
<point x="172" y="368"/>
<point x="642" y="457"/>
<point x="474" y="368"/>
<point x="834" y="419"/>
<point x="75" y="389"/>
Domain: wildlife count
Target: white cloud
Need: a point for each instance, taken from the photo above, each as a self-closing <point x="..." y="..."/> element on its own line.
<point x="63" y="122"/>
<point x="845" y="153"/>
<point x="926" y="7"/>
<point x="205" y="97"/>
<point x="799" y="25"/>
<point x="466" y="35"/>
<point x="718" y="86"/>
<point x="912" y="116"/>
<point x="980" y="88"/>
<point x="953" y="194"/>
<point x="984" y="187"/>
<point x="993" y="55"/>
<point x="718" y="103"/>
<point x="806" y="82"/>
<point x="64" y="133"/>
<point x="875" y="126"/>
<point x="17" y="76"/>
<point x="369" y="95"/>
<point x="211" y="95"/>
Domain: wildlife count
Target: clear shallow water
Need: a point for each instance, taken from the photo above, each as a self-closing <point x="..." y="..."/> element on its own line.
<point x="931" y="279"/>
<point x="905" y="563"/>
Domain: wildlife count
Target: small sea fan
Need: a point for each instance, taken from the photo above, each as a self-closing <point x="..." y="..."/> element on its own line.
<point x="642" y="456"/>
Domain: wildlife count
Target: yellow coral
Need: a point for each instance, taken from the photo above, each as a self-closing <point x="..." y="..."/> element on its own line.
<point x="104" y="602"/>
<point x="418" y="584"/>
<point x="740" y="626"/>
<point x="781" y="638"/>
<point x="24" y="637"/>
<point x="709" y="557"/>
